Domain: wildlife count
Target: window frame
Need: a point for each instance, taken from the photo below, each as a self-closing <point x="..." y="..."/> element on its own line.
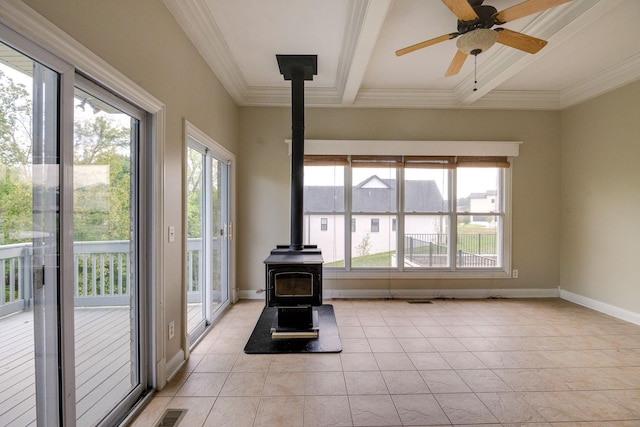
<point x="508" y="149"/>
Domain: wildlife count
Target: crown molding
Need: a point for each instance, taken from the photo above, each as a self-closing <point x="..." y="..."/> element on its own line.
<point x="612" y="78"/>
<point x="194" y="17"/>
<point x="519" y="100"/>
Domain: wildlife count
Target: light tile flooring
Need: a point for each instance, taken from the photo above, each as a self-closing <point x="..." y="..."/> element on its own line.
<point x="537" y="362"/>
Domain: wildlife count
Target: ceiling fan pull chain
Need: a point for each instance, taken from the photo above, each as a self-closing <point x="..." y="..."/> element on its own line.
<point x="475" y="73"/>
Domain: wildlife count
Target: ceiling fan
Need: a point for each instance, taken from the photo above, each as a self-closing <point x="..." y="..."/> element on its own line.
<point x="475" y="22"/>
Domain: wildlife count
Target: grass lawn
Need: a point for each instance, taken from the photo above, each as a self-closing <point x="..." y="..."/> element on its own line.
<point x="382" y="259"/>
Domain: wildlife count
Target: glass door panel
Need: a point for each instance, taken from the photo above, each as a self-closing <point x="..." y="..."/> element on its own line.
<point x="207" y="237"/>
<point x="29" y="240"/>
<point x="106" y="304"/>
<point x="219" y="240"/>
<point x="196" y="244"/>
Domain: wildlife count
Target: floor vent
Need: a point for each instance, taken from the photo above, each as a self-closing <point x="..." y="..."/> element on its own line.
<point x="171" y="417"/>
<point x="420" y="301"/>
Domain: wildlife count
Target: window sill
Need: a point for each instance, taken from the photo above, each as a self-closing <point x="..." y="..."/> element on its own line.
<point x="334" y="273"/>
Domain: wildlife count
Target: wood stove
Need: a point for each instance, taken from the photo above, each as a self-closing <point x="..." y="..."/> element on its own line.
<point x="294" y="272"/>
<point x="294" y="277"/>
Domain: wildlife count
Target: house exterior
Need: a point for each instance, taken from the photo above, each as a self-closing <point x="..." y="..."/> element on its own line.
<point x="482" y="202"/>
<point x="374" y="223"/>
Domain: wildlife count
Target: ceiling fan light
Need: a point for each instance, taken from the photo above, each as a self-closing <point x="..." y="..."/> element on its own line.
<point x="477" y="41"/>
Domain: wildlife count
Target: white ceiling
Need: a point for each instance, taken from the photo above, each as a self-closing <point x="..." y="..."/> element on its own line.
<point x="593" y="48"/>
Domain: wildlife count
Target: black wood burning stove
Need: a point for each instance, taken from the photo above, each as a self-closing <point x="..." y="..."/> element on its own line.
<point x="294" y="272"/>
<point x="294" y="286"/>
<point x="294" y="277"/>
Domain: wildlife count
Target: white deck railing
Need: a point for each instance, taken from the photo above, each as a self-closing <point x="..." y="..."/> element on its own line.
<point x="102" y="274"/>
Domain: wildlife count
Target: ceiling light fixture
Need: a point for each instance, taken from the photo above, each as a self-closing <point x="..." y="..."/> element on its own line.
<point x="474" y="43"/>
<point x="477" y="41"/>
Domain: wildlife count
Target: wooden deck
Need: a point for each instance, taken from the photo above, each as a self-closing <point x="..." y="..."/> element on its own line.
<point x="103" y="364"/>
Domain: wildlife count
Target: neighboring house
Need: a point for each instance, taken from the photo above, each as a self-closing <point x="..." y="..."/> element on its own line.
<point x="482" y="202"/>
<point x="374" y="215"/>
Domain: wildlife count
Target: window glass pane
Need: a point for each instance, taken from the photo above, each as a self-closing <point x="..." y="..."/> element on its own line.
<point x="374" y="190"/>
<point x="425" y="190"/>
<point x="195" y="243"/>
<point x="478" y="242"/>
<point x="217" y="194"/>
<point x="374" y="248"/>
<point x="104" y="166"/>
<point x="324" y="200"/>
<point x="477" y="190"/>
<point x="426" y="241"/>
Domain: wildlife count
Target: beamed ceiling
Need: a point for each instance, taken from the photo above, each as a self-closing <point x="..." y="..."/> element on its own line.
<point x="593" y="47"/>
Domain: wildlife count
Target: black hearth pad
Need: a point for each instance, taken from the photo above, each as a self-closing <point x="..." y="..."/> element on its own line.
<point x="328" y="340"/>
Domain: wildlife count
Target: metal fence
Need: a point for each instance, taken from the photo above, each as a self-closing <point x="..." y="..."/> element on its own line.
<point x="432" y="250"/>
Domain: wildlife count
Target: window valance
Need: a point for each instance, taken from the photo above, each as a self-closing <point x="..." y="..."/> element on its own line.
<point x="424" y="162"/>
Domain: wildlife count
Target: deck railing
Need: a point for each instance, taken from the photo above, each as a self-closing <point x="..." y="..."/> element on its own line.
<point x="15" y="262"/>
<point x="432" y="250"/>
<point x="101" y="274"/>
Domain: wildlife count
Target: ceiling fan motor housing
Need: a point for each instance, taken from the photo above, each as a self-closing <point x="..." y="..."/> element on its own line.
<point x="486" y="19"/>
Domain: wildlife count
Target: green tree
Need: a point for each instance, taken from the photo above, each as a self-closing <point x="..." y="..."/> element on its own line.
<point x="364" y="247"/>
<point x="102" y="209"/>
<point x="15" y="123"/>
<point x="194" y="193"/>
<point x="15" y="160"/>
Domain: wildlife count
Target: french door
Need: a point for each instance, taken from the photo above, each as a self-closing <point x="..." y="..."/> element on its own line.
<point x="72" y="312"/>
<point x="208" y="234"/>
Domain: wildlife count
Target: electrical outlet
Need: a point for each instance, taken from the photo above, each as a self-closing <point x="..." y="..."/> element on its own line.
<point x="172" y="329"/>
<point x="515" y="273"/>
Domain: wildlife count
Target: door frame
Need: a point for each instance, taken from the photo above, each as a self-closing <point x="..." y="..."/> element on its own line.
<point x="221" y="153"/>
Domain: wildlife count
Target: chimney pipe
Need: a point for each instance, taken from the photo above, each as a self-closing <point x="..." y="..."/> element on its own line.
<point x="297" y="68"/>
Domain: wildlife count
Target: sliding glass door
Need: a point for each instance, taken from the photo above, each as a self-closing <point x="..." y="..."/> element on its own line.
<point x="208" y="230"/>
<point x="29" y="239"/>
<point x="72" y="245"/>
<point x="106" y="208"/>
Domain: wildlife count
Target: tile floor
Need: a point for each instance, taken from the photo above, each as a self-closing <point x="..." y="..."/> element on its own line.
<point x="539" y="362"/>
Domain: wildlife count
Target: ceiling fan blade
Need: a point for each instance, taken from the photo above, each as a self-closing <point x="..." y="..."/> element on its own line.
<point x="520" y="41"/>
<point x="456" y="64"/>
<point x="525" y="8"/>
<point x="426" y="43"/>
<point x="462" y="9"/>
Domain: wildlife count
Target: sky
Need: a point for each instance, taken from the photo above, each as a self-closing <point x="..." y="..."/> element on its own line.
<point x="470" y="180"/>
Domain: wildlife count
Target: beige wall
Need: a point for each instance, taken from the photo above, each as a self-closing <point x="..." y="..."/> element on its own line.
<point x="142" y="40"/>
<point x="601" y="198"/>
<point x="263" y="199"/>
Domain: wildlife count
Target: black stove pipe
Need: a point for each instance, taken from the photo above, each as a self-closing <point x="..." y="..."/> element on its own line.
<point x="297" y="68"/>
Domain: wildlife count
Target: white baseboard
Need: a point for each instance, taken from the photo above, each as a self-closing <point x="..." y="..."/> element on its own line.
<point x="174" y="364"/>
<point x="424" y="293"/>
<point x="602" y="307"/>
<point x="442" y="293"/>
<point x="250" y="294"/>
